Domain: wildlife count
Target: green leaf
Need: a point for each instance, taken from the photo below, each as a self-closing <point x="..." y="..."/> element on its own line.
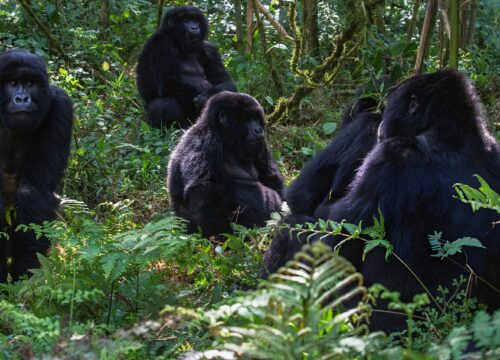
<point x="329" y="128"/>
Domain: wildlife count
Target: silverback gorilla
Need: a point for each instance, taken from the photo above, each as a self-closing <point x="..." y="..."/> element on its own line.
<point x="35" y="133"/>
<point x="178" y="70"/>
<point x="432" y="136"/>
<point x="222" y="171"/>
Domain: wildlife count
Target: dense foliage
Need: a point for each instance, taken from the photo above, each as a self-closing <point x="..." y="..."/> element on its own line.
<point x="123" y="280"/>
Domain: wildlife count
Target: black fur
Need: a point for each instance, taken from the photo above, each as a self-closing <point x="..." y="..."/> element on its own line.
<point x="326" y="176"/>
<point x="34" y="150"/>
<point x="219" y="173"/>
<point x="432" y="136"/>
<point x="175" y="76"/>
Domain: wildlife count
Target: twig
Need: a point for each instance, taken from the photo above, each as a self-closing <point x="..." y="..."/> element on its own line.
<point x="52" y="41"/>
<point x="279" y="28"/>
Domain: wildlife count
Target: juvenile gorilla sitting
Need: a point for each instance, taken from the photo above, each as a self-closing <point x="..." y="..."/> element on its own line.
<point x="35" y="133"/>
<point x="222" y="171"/>
<point x="178" y="70"/>
<point x="432" y="136"/>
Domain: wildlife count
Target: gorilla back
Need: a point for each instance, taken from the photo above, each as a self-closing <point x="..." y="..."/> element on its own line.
<point x="178" y="70"/>
<point x="35" y="133"/>
<point x="222" y="171"/>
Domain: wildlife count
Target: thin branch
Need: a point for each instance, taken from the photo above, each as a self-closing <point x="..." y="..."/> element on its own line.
<point x="250" y="27"/>
<point x="159" y="14"/>
<point x="52" y="41"/>
<point x="425" y="35"/>
<point x="279" y="28"/>
<point x="444" y="16"/>
<point x="267" y="54"/>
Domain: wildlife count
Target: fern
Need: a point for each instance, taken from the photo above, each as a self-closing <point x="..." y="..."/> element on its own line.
<point x="484" y="331"/>
<point x="444" y="248"/>
<point x="314" y="307"/>
<point x="484" y="197"/>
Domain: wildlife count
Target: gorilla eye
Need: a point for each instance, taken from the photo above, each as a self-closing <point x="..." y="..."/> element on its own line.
<point x="28" y="84"/>
<point x="13" y="82"/>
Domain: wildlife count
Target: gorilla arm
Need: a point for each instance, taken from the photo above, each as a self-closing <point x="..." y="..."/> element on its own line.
<point x="204" y="200"/>
<point x="215" y="71"/>
<point x="45" y="161"/>
<point x="328" y="174"/>
<point x="268" y="172"/>
<point x="216" y="74"/>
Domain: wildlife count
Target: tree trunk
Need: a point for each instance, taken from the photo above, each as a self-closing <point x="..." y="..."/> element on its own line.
<point x="472" y="22"/>
<point x="455" y="33"/>
<point x="238" y="19"/>
<point x="426" y="34"/>
<point x="310" y="23"/>
<point x="104" y="14"/>
<point x="464" y="12"/>
<point x="159" y="14"/>
<point x="413" y="20"/>
<point x="248" y="47"/>
<point x="267" y="55"/>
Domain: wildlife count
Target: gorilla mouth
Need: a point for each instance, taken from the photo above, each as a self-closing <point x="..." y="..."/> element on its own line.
<point x="21" y="109"/>
<point x="193" y="37"/>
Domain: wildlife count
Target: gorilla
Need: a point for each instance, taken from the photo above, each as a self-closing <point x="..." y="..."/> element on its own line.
<point x="326" y="176"/>
<point x="178" y="70"/>
<point x="222" y="171"/>
<point x="432" y="136"/>
<point x="36" y="121"/>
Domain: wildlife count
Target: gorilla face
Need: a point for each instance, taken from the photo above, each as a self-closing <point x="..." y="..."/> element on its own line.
<point x="243" y="132"/>
<point x="192" y="30"/>
<point x="25" y="95"/>
<point x="187" y="25"/>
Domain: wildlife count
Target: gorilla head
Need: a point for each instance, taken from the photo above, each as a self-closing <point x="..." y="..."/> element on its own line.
<point x="239" y="120"/>
<point x="426" y="106"/>
<point x="187" y="25"/>
<point x="25" y="95"/>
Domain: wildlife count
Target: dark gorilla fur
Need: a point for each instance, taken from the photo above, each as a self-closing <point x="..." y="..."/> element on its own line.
<point x="432" y="136"/>
<point x="177" y="72"/>
<point x="222" y="171"/>
<point x="326" y="176"/>
<point x="34" y="150"/>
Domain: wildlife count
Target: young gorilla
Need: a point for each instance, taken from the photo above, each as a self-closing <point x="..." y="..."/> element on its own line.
<point x="35" y="133"/>
<point x="432" y="136"/>
<point x="222" y="171"/>
<point x="178" y="70"/>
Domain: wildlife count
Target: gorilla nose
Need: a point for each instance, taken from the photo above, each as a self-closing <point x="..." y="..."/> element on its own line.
<point x="258" y="131"/>
<point x="22" y="100"/>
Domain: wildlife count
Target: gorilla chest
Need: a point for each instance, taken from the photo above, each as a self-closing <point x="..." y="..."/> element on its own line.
<point x="192" y="68"/>
<point x="240" y="172"/>
<point x="12" y="152"/>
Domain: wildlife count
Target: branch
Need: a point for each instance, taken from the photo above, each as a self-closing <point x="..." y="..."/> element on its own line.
<point x="159" y="14"/>
<point x="425" y="35"/>
<point x="52" y="41"/>
<point x="281" y="30"/>
<point x="325" y="73"/>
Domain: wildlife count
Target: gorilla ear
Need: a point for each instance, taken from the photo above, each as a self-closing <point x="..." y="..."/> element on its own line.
<point x="413" y="105"/>
<point x="223" y="118"/>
